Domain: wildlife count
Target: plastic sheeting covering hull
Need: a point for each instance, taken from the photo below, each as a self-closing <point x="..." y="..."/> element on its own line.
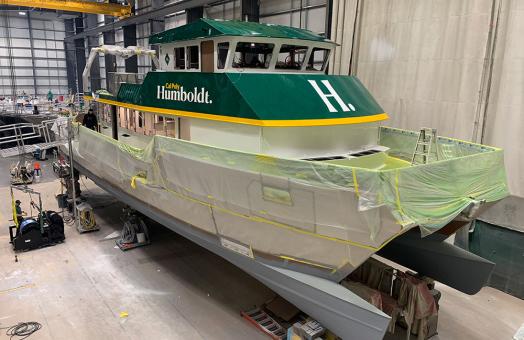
<point x="336" y="307"/>
<point x="324" y="219"/>
<point x="318" y="229"/>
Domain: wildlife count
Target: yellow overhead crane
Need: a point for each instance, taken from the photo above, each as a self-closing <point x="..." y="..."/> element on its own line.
<point x="92" y="7"/>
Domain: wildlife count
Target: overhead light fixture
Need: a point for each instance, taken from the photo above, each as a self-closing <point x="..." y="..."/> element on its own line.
<point x="22" y="13"/>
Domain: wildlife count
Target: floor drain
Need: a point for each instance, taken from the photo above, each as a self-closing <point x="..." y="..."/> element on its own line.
<point x="125" y="135"/>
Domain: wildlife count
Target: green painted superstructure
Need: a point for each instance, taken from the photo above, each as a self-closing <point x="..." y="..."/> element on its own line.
<point x="207" y="28"/>
<point x="252" y="95"/>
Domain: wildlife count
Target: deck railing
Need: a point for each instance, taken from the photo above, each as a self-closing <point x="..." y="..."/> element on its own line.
<point x="23" y="138"/>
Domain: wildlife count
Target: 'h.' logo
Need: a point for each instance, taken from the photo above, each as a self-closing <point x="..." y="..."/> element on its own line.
<point x="331" y="94"/>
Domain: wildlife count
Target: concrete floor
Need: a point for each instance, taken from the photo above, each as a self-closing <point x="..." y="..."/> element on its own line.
<point x="172" y="289"/>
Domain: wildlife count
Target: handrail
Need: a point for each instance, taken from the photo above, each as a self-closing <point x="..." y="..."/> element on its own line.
<point x="20" y="133"/>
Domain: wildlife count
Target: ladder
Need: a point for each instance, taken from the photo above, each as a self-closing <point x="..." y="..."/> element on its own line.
<point x="265" y="323"/>
<point x="79" y="100"/>
<point x="426" y="138"/>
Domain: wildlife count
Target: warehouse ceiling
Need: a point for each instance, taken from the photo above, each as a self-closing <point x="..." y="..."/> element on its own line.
<point x="37" y="13"/>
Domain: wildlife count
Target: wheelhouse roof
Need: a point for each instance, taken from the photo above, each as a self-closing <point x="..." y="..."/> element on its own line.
<point x="208" y="28"/>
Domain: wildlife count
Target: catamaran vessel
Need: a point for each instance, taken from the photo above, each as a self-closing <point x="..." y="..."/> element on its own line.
<point x="248" y="148"/>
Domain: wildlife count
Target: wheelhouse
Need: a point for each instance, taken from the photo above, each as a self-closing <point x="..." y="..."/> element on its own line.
<point x="238" y="54"/>
<point x="250" y="87"/>
<point x="213" y="46"/>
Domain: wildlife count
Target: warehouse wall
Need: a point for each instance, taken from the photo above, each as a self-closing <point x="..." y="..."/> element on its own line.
<point x="308" y="14"/>
<point x="504" y="119"/>
<point x="453" y="65"/>
<point x="423" y="60"/>
<point x="225" y="11"/>
<point x="32" y="60"/>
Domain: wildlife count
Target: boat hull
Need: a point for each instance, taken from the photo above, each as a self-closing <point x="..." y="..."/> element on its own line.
<point x="336" y="307"/>
<point x="317" y="229"/>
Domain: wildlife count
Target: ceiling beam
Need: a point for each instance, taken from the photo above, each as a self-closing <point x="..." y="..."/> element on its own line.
<point x="141" y="18"/>
<point x="116" y="10"/>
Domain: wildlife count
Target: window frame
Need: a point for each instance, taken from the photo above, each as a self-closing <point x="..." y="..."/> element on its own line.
<point x="228" y="56"/>
<point x="175" y="59"/>
<point x="306" y="56"/>
<point x="326" y="61"/>
<point x="185" y="45"/>
<point x="233" y="40"/>
<point x="248" y="41"/>
<point x="188" y="64"/>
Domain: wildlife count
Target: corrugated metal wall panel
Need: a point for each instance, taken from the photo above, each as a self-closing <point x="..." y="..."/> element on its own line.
<point x="47" y="58"/>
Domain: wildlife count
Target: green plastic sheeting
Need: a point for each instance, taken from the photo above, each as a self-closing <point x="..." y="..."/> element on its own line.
<point x="328" y="216"/>
<point x="428" y="195"/>
<point x="431" y="195"/>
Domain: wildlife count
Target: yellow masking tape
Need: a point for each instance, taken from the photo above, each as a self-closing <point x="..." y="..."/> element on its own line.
<point x="306" y="262"/>
<point x="273" y="223"/>
<point x="397" y="192"/>
<point x="355" y="183"/>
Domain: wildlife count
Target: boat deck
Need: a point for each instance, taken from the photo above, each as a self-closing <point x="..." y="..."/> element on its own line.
<point x="129" y="137"/>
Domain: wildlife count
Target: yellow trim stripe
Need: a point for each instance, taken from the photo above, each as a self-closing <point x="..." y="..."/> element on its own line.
<point x="247" y="121"/>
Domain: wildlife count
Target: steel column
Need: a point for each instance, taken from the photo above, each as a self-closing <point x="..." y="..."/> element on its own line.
<point x="91" y="20"/>
<point x="31" y="46"/>
<point x="69" y="47"/>
<point x="156" y="25"/>
<point x="130" y="40"/>
<point x="329" y="19"/>
<point x="250" y="10"/>
<point x="80" y="54"/>
<point x="110" y="60"/>
<point x="114" y="122"/>
<point x="193" y="14"/>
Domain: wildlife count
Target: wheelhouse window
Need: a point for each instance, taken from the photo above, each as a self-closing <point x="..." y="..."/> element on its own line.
<point x="180" y="58"/>
<point x="193" y="59"/>
<point x="318" y="59"/>
<point x="252" y="55"/>
<point x="222" y="51"/>
<point x="291" y="57"/>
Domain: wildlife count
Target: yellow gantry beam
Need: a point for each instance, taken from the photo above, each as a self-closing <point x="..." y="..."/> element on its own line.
<point x="115" y="10"/>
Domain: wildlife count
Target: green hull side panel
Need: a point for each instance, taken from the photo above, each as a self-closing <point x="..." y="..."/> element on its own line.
<point x="254" y="96"/>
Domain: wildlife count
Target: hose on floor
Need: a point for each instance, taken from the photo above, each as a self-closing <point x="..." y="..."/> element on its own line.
<point x="22" y="329"/>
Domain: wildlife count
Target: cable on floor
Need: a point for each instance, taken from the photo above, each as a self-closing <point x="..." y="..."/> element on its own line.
<point x="84" y="183"/>
<point x="22" y="329"/>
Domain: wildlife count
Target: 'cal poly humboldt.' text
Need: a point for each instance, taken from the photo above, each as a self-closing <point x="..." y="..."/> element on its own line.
<point x="195" y="96"/>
